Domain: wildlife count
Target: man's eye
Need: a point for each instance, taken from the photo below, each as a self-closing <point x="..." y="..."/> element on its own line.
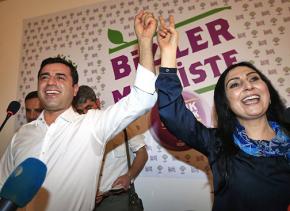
<point x="43" y="77"/>
<point x="61" y="78"/>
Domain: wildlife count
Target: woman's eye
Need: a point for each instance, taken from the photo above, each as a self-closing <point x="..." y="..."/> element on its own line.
<point x="255" y="78"/>
<point x="233" y="85"/>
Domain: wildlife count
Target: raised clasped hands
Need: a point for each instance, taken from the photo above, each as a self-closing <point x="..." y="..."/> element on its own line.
<point x="167" y="37"/>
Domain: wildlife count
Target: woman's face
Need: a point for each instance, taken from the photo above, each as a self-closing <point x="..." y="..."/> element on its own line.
<point x="248" y="95"/>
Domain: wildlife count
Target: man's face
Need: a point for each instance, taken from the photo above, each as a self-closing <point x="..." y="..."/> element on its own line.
<point x="32" y="109"/>
<point x="55" y="87"/>
<point x="89" y="104"/>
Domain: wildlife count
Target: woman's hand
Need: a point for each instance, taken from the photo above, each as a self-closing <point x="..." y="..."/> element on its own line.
<point x="167" y="38"/>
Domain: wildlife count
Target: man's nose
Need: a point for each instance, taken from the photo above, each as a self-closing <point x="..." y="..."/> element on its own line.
<point x="51" y="80"/>
<point x="34" y="114"/>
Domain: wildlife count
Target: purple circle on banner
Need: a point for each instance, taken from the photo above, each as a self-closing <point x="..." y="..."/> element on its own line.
<point x="196" y="105"/>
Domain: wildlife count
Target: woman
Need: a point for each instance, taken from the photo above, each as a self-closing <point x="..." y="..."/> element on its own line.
<point x="249" y="151"/>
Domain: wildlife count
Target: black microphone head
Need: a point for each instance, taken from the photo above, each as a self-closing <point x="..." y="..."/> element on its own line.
<point x="13" y="107"/>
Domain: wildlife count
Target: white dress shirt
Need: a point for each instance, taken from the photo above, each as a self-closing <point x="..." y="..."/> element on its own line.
<point x="73" y="146"/>
<point x="115" y="159"/>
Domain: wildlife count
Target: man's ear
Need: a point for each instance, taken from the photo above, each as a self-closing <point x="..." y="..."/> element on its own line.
<point x="98" y="103"/>
<point x="76" y="89"/>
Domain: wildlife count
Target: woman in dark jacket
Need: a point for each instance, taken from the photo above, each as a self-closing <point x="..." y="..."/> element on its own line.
<point x="249" y="150"/>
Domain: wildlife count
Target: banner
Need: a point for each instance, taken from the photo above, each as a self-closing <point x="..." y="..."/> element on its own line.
<point x="100" y="39"/>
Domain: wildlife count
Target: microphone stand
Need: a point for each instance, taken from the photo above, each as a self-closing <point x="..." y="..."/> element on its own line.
<point x="7" y="205"/>
<point x="7" y="117"/>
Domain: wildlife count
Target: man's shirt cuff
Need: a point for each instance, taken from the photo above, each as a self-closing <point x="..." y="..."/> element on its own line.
<point x="145" y="80"/>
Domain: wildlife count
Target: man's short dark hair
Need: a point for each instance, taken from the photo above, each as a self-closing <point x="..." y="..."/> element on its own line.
<point x="84" y="93"/>
<point x="62" y="60"/>
<point x="31" y="95"/>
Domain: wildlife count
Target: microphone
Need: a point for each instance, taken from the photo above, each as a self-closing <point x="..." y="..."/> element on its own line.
<point x="22" y="184"/>
<point x="287" y="115"/>
<point x="12" y="109"/>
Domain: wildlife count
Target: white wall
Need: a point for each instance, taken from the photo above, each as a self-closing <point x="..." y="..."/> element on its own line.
<point x="158" y="194"/>
<point x="174" y="194"/>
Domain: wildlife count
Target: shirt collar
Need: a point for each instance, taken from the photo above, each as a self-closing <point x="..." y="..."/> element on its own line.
<point x="68" y="115"/>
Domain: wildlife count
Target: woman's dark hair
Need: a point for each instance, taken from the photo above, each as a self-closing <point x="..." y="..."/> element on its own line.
<point x="226" y="119"/>
<point x="62" y="60"/>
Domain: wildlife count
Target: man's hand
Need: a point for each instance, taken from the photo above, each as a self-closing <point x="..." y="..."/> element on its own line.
<point x="145" y="26"/>
<point x="99" y="197"/>
<point x="167" y="38"/>
<point x="123" y="181"/>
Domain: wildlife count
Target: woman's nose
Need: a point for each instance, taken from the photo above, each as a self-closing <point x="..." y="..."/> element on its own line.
<point x="248" y="85"/>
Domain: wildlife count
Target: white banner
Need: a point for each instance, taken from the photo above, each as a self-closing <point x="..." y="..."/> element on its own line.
<point x="100" y="39"/>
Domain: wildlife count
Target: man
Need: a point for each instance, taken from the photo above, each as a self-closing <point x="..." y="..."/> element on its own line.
<point x="33" y="106"/>
<point x="115" y="178"/>
<point x="72" y="145"/>
<point x="85" y="100"/>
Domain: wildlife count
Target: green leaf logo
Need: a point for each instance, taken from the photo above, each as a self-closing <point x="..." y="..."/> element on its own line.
<point x="115" y="37"/>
